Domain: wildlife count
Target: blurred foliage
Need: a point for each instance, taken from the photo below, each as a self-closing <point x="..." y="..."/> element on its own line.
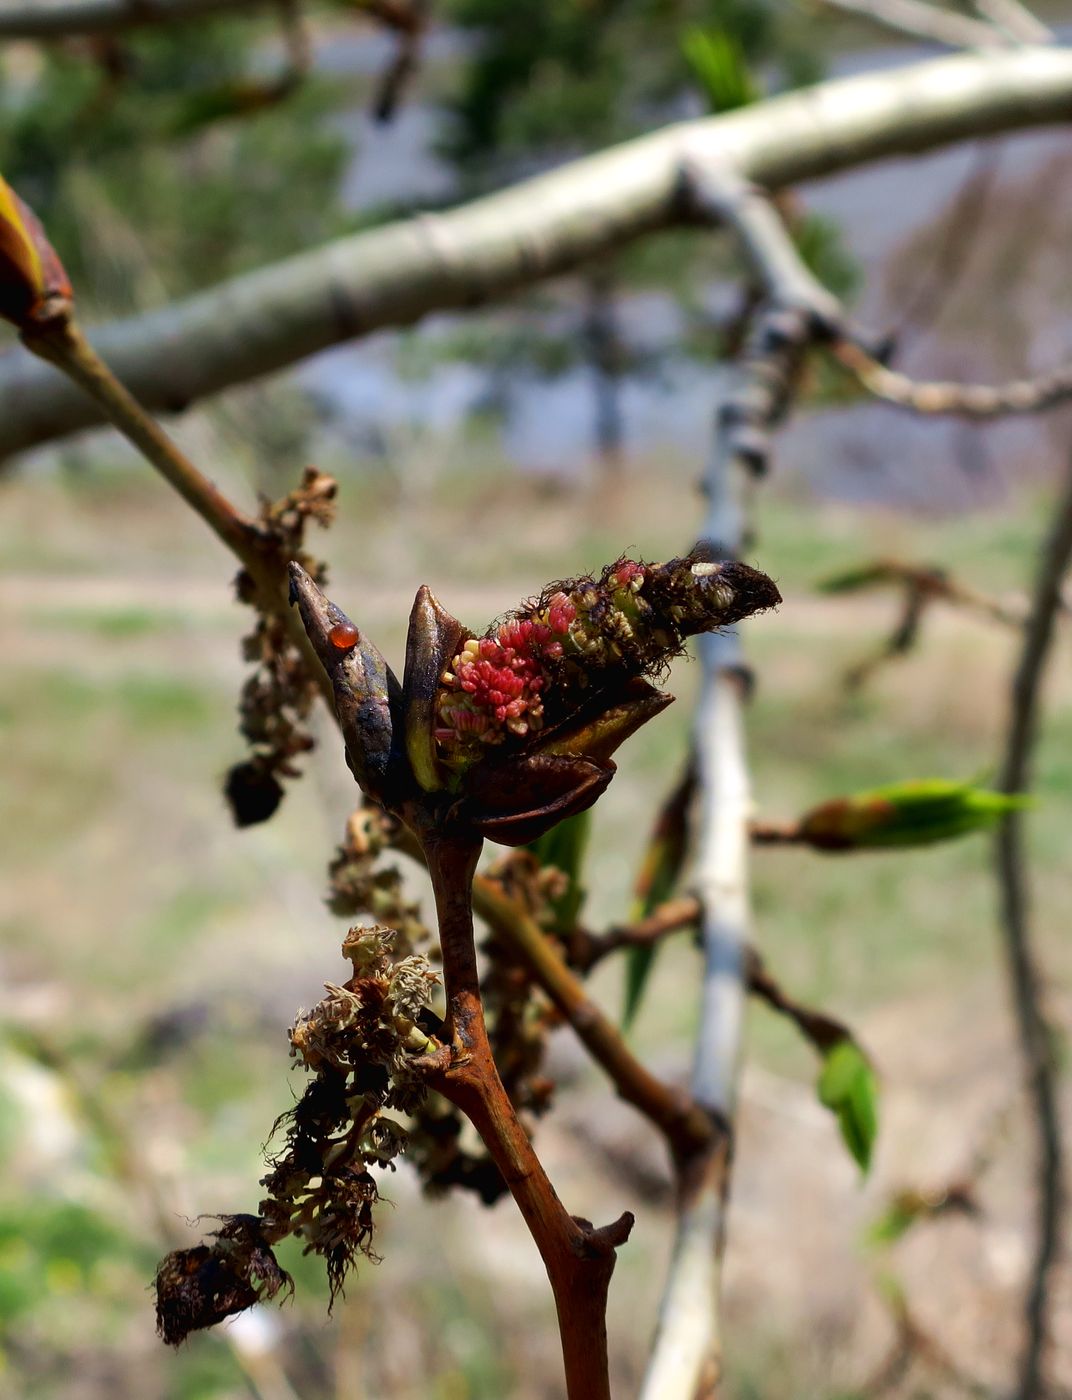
<point x="547" y="80"/>
<point x="552" y="76"/>
<point x="143" y="193"/>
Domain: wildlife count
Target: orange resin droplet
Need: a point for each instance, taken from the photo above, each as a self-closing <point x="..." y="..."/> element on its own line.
<point x="344" y="635"/>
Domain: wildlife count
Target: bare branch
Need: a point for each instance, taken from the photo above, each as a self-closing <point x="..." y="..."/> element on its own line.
<point x="720" y="193"/>
<point x="1016" y="20"/>
<point x="394" y="275"/>
<point x="960" y="400"/>
<point x="687" y="1348"/>
<point x="822" y="1031"/>
<point x="586" y="949"/>
<point x="925" y="21"/>
<point x="677" y="1117"/>
<point x="1036" y="1035"/>
<point x="936" y="584"/>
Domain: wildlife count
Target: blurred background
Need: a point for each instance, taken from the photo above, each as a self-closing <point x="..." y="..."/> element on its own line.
<point x="152" y="956"/>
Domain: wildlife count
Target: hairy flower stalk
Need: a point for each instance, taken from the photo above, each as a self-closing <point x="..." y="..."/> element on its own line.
<point x="365" y="1049"/>
<point x="544" y="661"/>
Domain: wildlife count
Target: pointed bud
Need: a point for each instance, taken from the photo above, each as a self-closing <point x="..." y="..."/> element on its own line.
<point x="32" y="277"/>
<point x="366" y="691"/>
<point x="433" y="639"/>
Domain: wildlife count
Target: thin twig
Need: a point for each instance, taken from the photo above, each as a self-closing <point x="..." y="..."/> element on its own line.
<point x="586" y="949"/>
<point x="61" y="342"/>
<point x="1016" y="20"/>
<point x="924" y="21"/>
<point x="719" y="192"/>
<point x="821" y="1030"/>
<point x="1036" y="1036"/>
<point x="958" y="400"/>
<point x="935" y="583"/>
<point x="671" y="1110"/>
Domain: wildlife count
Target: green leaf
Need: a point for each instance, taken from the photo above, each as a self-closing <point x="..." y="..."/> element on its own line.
<point x="565" y="847"/>
<point x="718" y="63"/>
<point x="916" y="813"/>
<point x="848" y="1087"/>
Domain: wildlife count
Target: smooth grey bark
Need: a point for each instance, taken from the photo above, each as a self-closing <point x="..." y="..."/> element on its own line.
<point x="482" y="251"/>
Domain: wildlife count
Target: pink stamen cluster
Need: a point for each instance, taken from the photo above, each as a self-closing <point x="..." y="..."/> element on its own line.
<point x="494" y="684"/>
<point x="627" y="574"/>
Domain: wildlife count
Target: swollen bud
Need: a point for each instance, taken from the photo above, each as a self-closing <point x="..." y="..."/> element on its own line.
<point x="32" y="278"/>
<point x="916" y="813"/>
<point x="509" y="733"/>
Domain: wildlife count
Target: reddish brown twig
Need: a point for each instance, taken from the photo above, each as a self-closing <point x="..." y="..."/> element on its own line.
<point x="670" y="1109"/>
<point x="579" y="1259"/>
<point x="586" y="949"/>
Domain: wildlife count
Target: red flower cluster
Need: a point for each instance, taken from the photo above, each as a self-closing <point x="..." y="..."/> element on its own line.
<point x="500" y="677"/>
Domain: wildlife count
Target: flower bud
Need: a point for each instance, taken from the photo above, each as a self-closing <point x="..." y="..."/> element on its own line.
<point x="366" y="691"/>
<point x="31" y="274"/>
<point x="516" y="728"/>
<point x="917" y="813"/>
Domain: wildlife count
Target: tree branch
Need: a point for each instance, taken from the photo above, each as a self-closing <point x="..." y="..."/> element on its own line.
<point x="1036" y="1036"/>
<point x="392" y="276"/>
<point x="960" y="400"/>
<point x="925" y="21"/>
<point x="586" y="949"/>
<point x="684" y="1126"/>
<point x="1016" y="20"/>
<point x="688" y="1351"/>
<point x="59" y="340"/>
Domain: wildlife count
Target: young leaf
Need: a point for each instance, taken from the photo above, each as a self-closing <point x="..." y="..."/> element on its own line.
<point x="655" y="884"/>
<point x="917" y="813"/>
<point x="719" y="64"/>
<point x="848" y="1087"/>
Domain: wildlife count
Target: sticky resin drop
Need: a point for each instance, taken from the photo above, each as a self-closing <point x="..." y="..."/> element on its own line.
<point x="344" y="635"/>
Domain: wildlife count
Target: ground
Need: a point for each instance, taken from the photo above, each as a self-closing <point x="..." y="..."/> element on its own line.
<point x="152" y="956"/>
